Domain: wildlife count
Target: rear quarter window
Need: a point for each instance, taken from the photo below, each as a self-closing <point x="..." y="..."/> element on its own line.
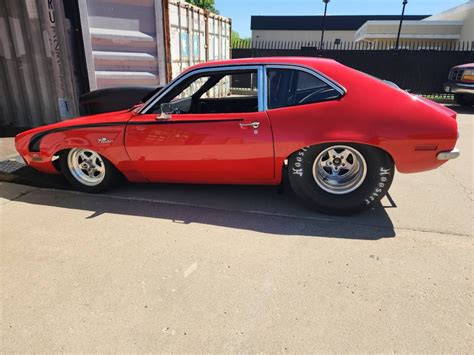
<point x="292" y="87"/>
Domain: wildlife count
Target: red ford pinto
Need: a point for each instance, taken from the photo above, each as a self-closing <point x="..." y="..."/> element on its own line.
<point x="338" y="134"/>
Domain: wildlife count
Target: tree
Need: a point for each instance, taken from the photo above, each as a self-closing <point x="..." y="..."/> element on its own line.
<point x="238" y="42"/>
<point x="234" y="36"/>
<point x="204" y="4"/>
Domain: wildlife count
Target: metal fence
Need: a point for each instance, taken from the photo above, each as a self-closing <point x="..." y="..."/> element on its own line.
<point x="420" y="67"/>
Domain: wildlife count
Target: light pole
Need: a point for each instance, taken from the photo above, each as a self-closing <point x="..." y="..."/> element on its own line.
<point x="401" y="21"/>
<point x="324" y="22"/>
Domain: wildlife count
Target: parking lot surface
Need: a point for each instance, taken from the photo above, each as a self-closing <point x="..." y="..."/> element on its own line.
<point x="185" y="268"/>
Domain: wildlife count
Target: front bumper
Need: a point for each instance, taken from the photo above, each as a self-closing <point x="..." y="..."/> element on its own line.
<point x="455" y="87"/>
<point x="449" y="154"/>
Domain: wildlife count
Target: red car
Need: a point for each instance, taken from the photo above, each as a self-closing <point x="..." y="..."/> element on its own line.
<point x="337" y="133"/>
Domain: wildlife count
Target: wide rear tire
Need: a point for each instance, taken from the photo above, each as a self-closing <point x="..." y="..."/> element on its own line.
<point x="340" y="178"/>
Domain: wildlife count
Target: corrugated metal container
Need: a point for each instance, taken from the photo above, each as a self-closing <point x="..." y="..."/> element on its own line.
<point x="36" y="74"/>
<point x="196" y="36"/>
<point x="49" y="47"/>
<point x="120" y="42"/>
<point x="148" y="42"/>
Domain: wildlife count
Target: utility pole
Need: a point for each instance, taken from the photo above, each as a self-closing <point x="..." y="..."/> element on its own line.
<point x="324" y="22"/>
<point x="400" y="26"/>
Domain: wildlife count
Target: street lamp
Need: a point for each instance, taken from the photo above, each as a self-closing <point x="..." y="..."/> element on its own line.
<point x="405" y="2"/>
<point x="324" y="22"/>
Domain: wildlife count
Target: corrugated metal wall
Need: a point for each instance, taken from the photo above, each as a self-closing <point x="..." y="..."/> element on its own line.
<point x="148" y="42"/>
<point x="121" y="42"/>
<point x="36" y="75"/>
<point x="196" y="36"/>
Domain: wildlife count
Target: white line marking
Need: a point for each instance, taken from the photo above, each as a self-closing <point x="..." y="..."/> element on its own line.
<point x="190" y="270"/>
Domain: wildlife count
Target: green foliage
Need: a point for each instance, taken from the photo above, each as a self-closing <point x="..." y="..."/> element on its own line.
<point x="234" y="36"/>
<point x="204" y="4"/>
<point x="237" y="42"/>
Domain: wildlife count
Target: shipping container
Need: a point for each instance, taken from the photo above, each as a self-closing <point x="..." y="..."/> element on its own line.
<point x="148" y="42"/>
<point x="38" y="82"/>
<point x="52" y="51"/>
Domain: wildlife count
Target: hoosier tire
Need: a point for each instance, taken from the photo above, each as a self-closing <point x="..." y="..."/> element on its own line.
<point x="340" y="178"/>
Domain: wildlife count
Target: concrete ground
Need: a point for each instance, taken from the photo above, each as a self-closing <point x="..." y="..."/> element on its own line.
<point x="7" y="148"/>
<point x="184" y="268"/>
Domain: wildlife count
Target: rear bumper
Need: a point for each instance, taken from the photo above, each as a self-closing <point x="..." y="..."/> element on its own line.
<point x="455" y="87"/>
<point x="449" y="154"/>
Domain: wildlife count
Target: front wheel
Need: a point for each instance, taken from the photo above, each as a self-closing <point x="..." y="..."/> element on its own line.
<point x="464" y="99"/>
<point x="340" y="178"/>
<point x="87" y="170"/>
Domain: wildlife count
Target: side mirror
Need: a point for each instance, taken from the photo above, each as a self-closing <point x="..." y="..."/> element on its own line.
<point x="166" y="111"/>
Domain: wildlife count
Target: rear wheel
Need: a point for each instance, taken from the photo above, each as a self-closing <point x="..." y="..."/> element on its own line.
<point x="464" y="99"/>
<point x="87" y="170"/>
<point x="340" y="178"/>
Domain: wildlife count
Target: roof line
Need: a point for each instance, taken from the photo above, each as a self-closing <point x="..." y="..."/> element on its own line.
<point x="332" y="22"/>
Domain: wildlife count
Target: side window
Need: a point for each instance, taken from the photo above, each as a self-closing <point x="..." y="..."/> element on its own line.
<point x="291" y="87"/>
<point x="216" y="92"/>
<point x="191" y="89"/>
<point x="234" y="85"/>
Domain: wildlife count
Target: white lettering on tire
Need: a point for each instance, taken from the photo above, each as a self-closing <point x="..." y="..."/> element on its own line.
<point x="380" y="185"/>
<point x="297" y="169"/>
<point x="298" y="172"/>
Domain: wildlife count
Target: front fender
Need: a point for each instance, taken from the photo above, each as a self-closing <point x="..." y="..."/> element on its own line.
<point x="106" y="137"/>
<point x="52" y="142"/>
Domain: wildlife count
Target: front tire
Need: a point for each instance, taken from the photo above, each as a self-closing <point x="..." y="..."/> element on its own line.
<point x="466" y="100"/>
<point x="340" y="178"/>
<point x="88" y="171"/>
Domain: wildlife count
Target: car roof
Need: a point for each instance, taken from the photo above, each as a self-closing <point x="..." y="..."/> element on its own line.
<point x="308" y="61"/>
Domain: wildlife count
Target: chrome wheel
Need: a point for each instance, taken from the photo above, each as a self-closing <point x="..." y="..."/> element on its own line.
<point x="86" y="166"/>
<point x="339" y="169"/>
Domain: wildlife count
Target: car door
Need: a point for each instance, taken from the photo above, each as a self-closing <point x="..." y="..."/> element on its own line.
<point x="214" y="139"/>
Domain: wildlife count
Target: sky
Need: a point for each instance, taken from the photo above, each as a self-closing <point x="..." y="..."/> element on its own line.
<point x="241" y="10"/>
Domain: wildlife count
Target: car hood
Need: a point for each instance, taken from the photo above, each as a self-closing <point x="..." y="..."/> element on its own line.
<point x="109" y="117"/>
<point x="464" y="66"/>
<point x="22" y="139"/>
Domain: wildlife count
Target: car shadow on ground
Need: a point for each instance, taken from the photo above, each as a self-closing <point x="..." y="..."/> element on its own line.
<point x="265" y="209"/>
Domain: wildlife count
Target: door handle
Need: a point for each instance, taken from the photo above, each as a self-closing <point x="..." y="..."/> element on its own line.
<point x="254" y="125"/>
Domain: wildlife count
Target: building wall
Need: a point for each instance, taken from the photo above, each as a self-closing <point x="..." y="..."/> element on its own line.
<point x="467" y="33"/>
<point x="458" y="13"/>
<point x="416" y="28"/>
<point x="465" y="13"/>
<point x="411" y="30"/>
<point x="294" y="36"/>
<point x="453" y="25"/>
